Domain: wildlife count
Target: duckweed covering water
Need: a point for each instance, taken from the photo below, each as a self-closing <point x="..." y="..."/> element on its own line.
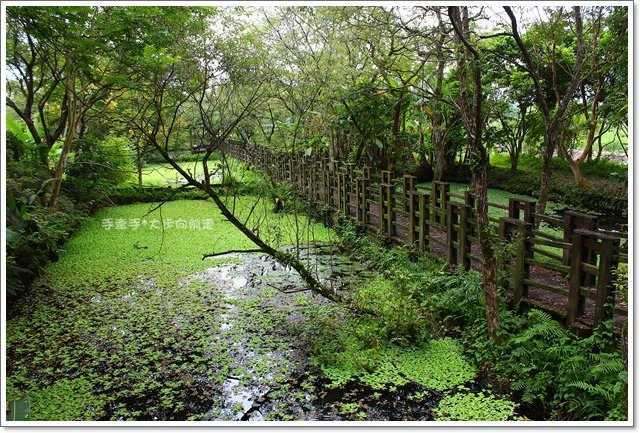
<point x="108" y="333"/>
<point x="131" y="324"/>
<point x="474" y="407"/>
<point x="438" y="365"/>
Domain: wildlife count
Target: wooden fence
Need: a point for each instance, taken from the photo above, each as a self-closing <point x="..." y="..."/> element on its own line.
<point x="568" y="275"/>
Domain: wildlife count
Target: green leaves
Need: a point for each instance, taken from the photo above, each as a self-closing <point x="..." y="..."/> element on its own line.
<point x="474" y="407"/>
<point x="438" y="365"/>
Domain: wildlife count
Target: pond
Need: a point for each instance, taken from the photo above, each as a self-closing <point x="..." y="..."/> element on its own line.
<point x="113" y="332"/>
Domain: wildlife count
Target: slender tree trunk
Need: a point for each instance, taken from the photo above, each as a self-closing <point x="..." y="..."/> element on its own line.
<point x="139" y="162"/>
<point x="441" y="165"/>
<point x="552" y="120"/>
<point x="579" y="177"/>
<point x="545" y="178"/>
<point x="513" y="157"/>
<point x="73" y="117"/>
<point x="472" y="118"/>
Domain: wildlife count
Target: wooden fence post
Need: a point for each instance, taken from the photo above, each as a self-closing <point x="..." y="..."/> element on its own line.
<point x="325" y="180"/>
<point x="439" y="199"/>
<point x="408" y="186"/>
<point x="470" y="198"/>
<point x="527" y="207"/>
<point x="586" y="246"/>
<point x="348" y="188"/>
<point x="344" y="193"/>
<point x="386" y="204"/>
<point x="359" y="200"/>
<point x="423" y="219"/>
<point x="458" y="246"/>
<point x="366" y="176"/>
<point x="518" y="231"/>
<point x="605" y="296"/>
<point x="335" y="183"/>
<point x="413" y="198"/>
<point x="572" y="221"/>
<point x="576" y="301"/>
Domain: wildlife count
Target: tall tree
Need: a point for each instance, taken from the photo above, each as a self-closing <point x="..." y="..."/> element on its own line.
<point x="553" y="111"/>
<point x="470" y="75"/>
<point x="599" y="80"/>
<point x="63" y="68"/>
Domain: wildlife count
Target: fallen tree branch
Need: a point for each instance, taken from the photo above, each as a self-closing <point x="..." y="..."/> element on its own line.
<point x="232" y="252"/>
<point x="304" y="289"/>
<point x="173" y="194"/>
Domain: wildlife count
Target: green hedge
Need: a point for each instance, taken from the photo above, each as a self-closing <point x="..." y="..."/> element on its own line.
<point x="133" y="194"/>
<point x="606" y="198"/>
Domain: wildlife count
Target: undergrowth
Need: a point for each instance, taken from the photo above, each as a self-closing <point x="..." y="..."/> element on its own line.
<point x="551" y="371"/>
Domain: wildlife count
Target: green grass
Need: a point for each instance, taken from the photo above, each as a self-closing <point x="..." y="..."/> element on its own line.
<point x="501" y="197"/>
<point x="163" y="174"/>
<point x="613" y="143"/>
<point x="108" y="332"/>
<point x="495" y="196"/>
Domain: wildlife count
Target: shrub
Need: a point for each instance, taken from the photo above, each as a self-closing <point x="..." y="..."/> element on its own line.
<point x="540" y="362"/>
<point x="36" y="243"/>
<point x="98" y="164"/>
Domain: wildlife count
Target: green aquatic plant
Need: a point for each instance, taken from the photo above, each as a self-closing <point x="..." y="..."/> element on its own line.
<point x="71" y="400"/>
<point x="474" y="407"/>
<point x="437" y="365"/>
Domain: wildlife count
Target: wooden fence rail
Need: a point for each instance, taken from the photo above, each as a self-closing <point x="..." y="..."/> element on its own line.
<point x="568" y="275"/>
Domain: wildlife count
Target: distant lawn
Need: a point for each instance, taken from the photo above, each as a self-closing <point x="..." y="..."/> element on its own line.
<point x="613" y="143"/>
<point x="500" y="197"/>
<point x="163" y="174"/>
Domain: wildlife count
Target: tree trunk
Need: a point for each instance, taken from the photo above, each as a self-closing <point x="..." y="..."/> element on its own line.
<point x="441" y="165"/>
<point x="552" y="120"/>
<point x="545" y="178"/>
<point x="472" y="119"/>
<point x="513" y="157"/>
<point x="579" y="177"/>
<point x="489" y="262"/>
<point x="73" y="117"/>
<point x="139" y="163"/>
<point x="441" y="162"/>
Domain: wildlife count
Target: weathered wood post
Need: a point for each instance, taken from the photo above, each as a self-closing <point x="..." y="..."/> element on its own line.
<point x="572" y="221"/>
<point x="518" y="231"/>
<point x="605" y="294"/>
<point x="291" y="173"/>
<point x="335" y="182"/>
<point x="423" y="222"/>
<point x="359" y="192"/>
<point x="458" y="245"/>
<point x="366" y="176"/>
<point x="348" y="188"/>
<point x="470" y="198"/>
<point x="408" y="186"/>
<point x="413" y="204"/>
<point x="585" y="267"/>
<point x="386" y="204"/>
<point x="344" y="193"/>
<point x="313" y="186"/>
<point x="325" y="180"/>
<point x="439" y="198"/>
<point x="527" y="206"/>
